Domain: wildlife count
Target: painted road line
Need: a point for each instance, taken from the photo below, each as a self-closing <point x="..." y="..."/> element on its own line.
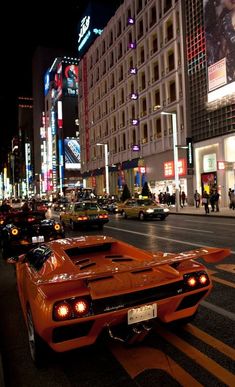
<point x="159" y="237"/>
<point x="217" y="309"/>
<point x="223" y="282"/>
<point x="210" y="340"/>
<point x="137" y="360"/>
<point x="226" y="267"/>
<point x="167" y="226"/>
<point x="198" y="357"/>
<point x="210" y="223"/>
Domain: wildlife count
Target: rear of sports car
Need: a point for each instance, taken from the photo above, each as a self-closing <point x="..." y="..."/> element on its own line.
<point x="132" y="299"/>
<point x="19" y="237"/>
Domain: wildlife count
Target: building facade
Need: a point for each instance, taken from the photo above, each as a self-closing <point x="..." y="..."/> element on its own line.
<point x="131" y="74"/>
<point x="211" y="85"/>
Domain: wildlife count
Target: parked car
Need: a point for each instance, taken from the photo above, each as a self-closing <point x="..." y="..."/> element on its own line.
<point x="72" y="289"/>
<point x="86" y="213"/>
<point x="144" y="209"/>
<point x="22" y="230"/>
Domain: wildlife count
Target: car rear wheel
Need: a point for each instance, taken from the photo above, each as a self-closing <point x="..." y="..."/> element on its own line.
<point x="36" y="345"/>
<point x="100" y="226"/>
<point x="162" y="217"/>
<point x="141" y="216"/>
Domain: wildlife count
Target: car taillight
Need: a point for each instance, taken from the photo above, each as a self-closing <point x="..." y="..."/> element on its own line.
<point x="203" y="279"/>
<point x="81" y="307"/>
<point x="14" y="231"/>
<point x="82" y="218"/>
<point x="62" y="311"/>
<point x="31" y="220"/>
<point x="57" y="227"/>
<point x="104" y="216"/>
<point x="192" y="282"/>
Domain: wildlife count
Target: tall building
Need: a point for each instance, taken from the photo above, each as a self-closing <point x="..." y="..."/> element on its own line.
<point x="42" y="59"/>
<point x="210" y="49"/>
<point x="131" y="74"/>
<point x="60" y="148"/>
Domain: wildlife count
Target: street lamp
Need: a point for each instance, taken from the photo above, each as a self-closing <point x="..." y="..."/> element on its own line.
<point x="176" y="160"/>
<point x="106" y="166"/>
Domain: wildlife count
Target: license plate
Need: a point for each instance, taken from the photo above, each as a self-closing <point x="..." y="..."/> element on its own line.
<point x="142" y="313"/>
<point x="38" y="239"/>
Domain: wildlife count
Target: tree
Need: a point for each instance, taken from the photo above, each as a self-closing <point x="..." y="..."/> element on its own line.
<point x="125" y="193"/>
<point x="146" y="191"/>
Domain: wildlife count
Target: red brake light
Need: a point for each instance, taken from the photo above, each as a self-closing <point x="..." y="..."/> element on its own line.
<point x="82" y="218"/>
<point x="81" y="307"/>
<point x="191" y="281"/>
<point x="62" y="311"/>
<point x="203" y="279"/>
<point x="31" y="219"/>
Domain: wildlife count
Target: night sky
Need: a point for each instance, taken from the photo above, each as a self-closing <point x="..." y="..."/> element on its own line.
<point x="30" y="24"/>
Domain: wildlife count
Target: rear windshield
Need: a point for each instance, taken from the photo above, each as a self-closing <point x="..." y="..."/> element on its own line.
<point x="85" y="206"/>
<point x="145" y="203"/>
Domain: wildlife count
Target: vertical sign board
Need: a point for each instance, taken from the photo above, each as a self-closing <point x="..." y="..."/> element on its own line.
<point x="190" y="160"/>
<point x="85" y="90"/>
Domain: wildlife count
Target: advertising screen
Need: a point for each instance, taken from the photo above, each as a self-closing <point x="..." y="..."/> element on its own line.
<point x="219" y="18"/>
<point x="70" y="85"/>
<point x="72" y="153"/>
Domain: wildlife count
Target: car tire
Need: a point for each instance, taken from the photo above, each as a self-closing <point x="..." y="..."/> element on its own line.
<point x="141" y="216"/>
<point x="162" y="217"/>
<point x="36" y="346"/>
<point x="100" y="226"/>
<point x="124" y="215"/>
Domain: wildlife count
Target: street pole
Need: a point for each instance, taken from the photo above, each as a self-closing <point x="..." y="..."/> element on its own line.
<point x="176" y="159"/>
<point x="106" y="166"/>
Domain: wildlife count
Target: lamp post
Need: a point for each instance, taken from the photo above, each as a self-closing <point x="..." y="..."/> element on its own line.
<point x="176" y="160"/>
<point x="106" y="166"/>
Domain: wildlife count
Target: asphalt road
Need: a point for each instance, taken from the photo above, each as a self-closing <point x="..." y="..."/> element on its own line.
<point x="201" y="354"/>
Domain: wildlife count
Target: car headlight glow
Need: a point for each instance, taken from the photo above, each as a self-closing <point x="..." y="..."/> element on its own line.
<point x="166" y="210"/>
<point x="149" y="211"/>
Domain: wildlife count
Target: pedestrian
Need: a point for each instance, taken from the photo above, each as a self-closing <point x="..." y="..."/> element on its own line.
<point x="205" y="202"/>
<point x="197" y="198"/>
<point x="212" y="201"/>
<point x="217" y="195"/>
<point x="183" y="198"/>
<point x="232" y="198"/>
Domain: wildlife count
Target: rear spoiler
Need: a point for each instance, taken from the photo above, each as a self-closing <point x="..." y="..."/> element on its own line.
<point x="209" y="254"/>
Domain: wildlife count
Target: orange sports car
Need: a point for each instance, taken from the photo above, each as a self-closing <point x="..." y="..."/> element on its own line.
<point x="72" y="289"/>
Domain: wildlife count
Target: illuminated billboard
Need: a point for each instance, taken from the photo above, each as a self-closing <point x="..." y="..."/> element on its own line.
<point x="70" y="82"/>
<point x="72" y="153"/>
<point x="220" y="43"/>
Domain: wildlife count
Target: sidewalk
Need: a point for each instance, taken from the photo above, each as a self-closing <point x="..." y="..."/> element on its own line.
<point x="224" y="212"/>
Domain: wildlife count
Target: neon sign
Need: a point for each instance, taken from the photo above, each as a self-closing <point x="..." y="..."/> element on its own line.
<point x="85" y="23"/>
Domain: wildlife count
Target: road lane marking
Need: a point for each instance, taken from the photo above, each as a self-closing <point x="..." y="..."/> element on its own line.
<point x="223" y="282"/>
<point x="159" y="237"/>
<point x="211" y="223"/>
<point x="137" y="360"/>
<point x="180" y="228"/>
<point x="226" y="267"/>
<point x="217" y="309"/>
<point x="210" y="340"/>
<point x="198" y="357"/>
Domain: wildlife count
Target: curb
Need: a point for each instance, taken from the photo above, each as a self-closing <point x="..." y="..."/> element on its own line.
<point x="206" y="215"/>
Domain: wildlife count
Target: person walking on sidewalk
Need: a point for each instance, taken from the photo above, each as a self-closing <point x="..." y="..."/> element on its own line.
<point x="217" y="195"/>
<point x="205" y="202"/>
<point x="197" y="199"/>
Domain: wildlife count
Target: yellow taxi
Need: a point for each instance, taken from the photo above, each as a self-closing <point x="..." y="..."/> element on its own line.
<point x="86" y="213"/>
<point x="143" y="209"/>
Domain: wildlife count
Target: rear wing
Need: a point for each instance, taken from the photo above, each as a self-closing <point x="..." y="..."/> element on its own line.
<point x="209" y="254"/>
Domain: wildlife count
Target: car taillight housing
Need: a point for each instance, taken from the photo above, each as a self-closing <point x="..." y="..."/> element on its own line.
<point x="62" y="311"/>
<point x="82" y="217"/>
<point x="57" y="227"/>
<point x="71" y="309"/>
<point x="31" y="220"/>
<point x="196" y="280"/>
<point x="103" y="216"/>
<point x="14" y="231"/>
